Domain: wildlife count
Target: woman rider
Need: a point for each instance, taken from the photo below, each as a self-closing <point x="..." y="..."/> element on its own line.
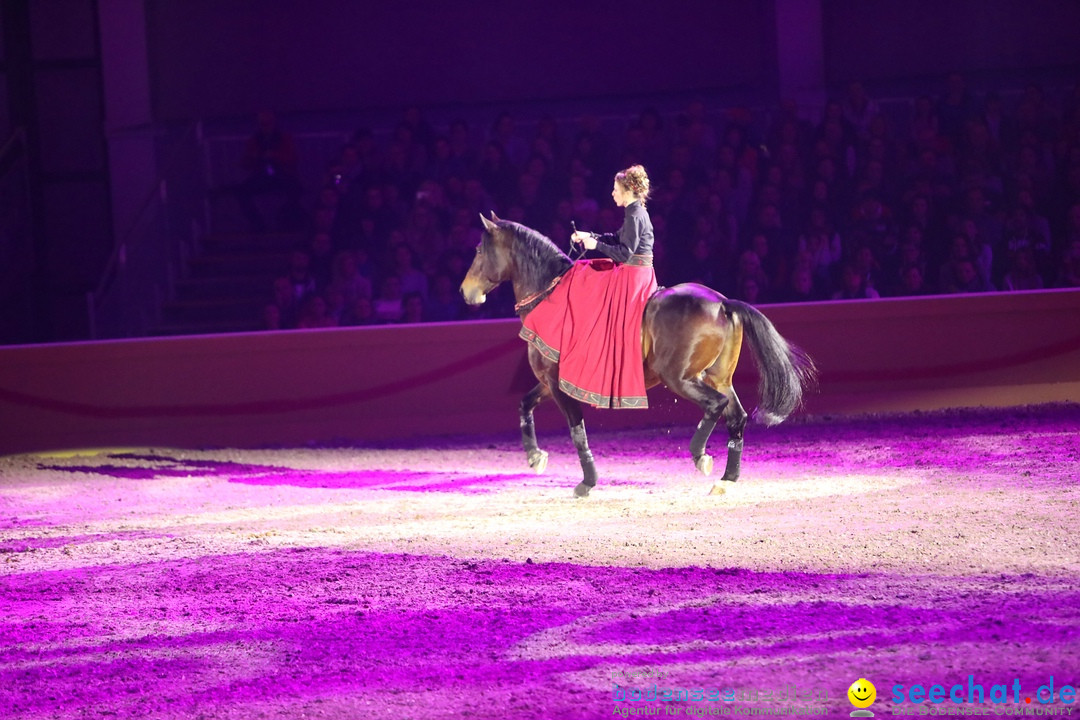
<point x="591" y="323"/>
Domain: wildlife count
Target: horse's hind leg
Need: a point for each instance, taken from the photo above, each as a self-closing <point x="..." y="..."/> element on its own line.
<point x="538" y="458"/>
<point x="712" y="403"/>
<point x="735" y="419"/>
<point x="719" y="378"/>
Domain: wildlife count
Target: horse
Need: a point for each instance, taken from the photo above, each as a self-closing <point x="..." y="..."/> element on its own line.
<point x="691" y="340"/>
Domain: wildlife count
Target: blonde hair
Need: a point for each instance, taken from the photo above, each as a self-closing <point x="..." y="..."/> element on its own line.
<point x="636" y="180"/>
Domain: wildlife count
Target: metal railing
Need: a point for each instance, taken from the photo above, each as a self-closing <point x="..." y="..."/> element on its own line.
<point x="152" y="252"/>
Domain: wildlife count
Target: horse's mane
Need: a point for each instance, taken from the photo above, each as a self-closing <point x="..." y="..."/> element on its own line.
<point x="539" y="260"/>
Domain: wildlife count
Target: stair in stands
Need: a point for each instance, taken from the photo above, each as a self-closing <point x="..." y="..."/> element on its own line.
<point x="226" y="287"/>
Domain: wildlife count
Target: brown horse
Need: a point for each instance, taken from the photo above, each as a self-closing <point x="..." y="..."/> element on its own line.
<point x="691" y="337"/>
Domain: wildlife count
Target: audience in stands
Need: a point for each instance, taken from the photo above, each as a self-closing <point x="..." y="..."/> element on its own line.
<point x="960" y="194"/>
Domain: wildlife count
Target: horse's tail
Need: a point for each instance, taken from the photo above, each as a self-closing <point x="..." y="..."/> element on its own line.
<point x="785" y="370"/>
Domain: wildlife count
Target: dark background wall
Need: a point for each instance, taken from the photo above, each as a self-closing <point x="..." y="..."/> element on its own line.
<point x="211" y="58"/>
<point x="904" y="43"/>
<point x="53" y="83"/>
<point x="214" y="58"/>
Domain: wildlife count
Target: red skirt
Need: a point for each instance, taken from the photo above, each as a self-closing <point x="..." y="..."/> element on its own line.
<point x="591" y="325"/>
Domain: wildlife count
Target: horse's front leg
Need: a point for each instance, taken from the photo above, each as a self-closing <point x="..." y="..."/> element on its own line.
<point x="571" y="410"/>
<point x="538" y="458"/>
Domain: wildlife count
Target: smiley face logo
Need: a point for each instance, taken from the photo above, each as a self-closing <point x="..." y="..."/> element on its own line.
<point x="862" y="693"/>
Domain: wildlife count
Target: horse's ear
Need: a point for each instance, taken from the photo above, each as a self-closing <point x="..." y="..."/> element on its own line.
<point x="488" y="225"/>
<point x="493" y="217"/>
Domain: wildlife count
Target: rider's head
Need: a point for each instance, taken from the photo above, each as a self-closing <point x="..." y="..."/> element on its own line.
<point x="635" y="181"/>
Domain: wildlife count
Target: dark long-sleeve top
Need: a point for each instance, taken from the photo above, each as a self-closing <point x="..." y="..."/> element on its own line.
<point x="635" y="237"/>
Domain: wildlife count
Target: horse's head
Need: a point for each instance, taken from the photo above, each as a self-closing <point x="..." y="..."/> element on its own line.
<point x="491" y="265"/>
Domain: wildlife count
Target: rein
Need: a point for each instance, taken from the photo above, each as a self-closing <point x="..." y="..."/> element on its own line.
<point x="538" y="296"/>
<point x="579" y="252"/>
<point x="524" y="306"/>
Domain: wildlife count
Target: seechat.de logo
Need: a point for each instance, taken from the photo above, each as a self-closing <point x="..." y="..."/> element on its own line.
<point x="862" y="694"/>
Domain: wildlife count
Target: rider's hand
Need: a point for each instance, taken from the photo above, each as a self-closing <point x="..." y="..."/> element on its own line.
<point x="585" y="239"/>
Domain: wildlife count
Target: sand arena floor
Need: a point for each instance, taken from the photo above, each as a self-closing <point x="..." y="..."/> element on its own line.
<point x="442" y="580"/>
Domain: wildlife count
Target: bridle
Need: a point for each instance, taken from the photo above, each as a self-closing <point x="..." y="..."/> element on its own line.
<point x="491" y="284"/>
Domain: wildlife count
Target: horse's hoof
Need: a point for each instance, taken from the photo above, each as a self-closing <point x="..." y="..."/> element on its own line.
<point x="538" y="461"/>
<point x="582" y="490"/>
<point x="717" y="490"/>
<point x="731" y="478"/>
<point x="704" y="464"/>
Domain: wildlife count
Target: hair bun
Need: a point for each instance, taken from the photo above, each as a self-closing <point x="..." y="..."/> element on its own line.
<point x="635" y="179"/>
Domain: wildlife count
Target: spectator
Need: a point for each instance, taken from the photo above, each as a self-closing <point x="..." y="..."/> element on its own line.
<point x="272" y="317"/>
<point x="823" y="245"/>
<point x="866" y="265"/>
<point x="1022" y="273"/>
<point x="462" y="154"/>
<point x="836" y="138"/>
<point x="654" y="150"/>
<point x="389" y="305"/>
<point x="908" y="255"/>
<point x="955" y="108"/>
<point x="497" y="175"/>
<point x="1072" y="225"/>
<point x="912" y="282"/>
<point x="963" y="277"/>
<point x="412" y="308"/>
<point x="300" y="278"/>
<point x="421" y="132"/>
<point x="1020" y="234"/>
<point x="800" y="287"/>
<point x="270" y="163"/>
<point x="423" y="231"/>
<point x="362" y="312"/>
<point x="583" y="207"/>
<point x="547" y="142"/>
<point x="703" y="266"/>
<point x="853" y="285"/>
<point x="959" y="250"/>
<point x="871" y="222"/>
<point x="1070" y="266"/>
<point x="750" y="268"/>
<point x="697" y="133"/>
<point x="412" y="280"/>
<point x="314" y="313"/>
<point x="859" y="110"/>
<point x="445" y="303"/>
<point x="1002" y="129"/>
<point x="505" y="137"/>
<point x="773" y="260"/>
<point x="347" y="279"/>
<point x="749" y="290"/>
<point x="322" y="259"/>
<point x="981" y="251"/>
<point x="282" y="312"/>
<point x="335" y="305"/>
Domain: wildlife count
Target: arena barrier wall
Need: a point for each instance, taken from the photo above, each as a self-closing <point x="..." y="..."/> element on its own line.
<point x="374" y="384"/>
